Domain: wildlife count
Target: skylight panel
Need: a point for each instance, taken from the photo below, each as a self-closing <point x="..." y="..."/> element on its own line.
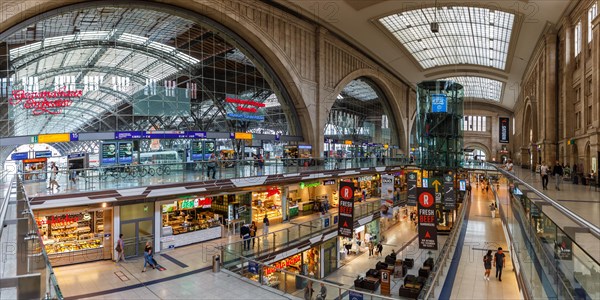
<point x="473" y="28"/>
<point x="479" y="87"/>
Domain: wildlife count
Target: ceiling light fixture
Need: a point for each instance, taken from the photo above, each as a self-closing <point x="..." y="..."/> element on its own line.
<point x="435" y="27"/>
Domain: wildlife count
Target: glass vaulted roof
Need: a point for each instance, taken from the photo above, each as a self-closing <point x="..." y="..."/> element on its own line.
<point x="467" y="35"/>
<point x="479" y="87"/>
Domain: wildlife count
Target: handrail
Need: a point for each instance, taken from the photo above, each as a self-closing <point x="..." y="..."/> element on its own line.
<point x="307" y="278"/>
<point x="440" y="262"/>
<point x="4" y="207"/>
<point x="594" y="230"/>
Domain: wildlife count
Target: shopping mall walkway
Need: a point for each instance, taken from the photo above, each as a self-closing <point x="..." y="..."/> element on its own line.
<point x="482" y="233"/>
<point x="185" y="268"/>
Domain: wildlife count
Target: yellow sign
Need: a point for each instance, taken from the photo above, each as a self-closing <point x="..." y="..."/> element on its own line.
<point x="385" y="146"/>
<point x="54" y="138"/>
<point x="348" y="142"/>
<point x="243" y="136"/>
<point x="436" y="184"/>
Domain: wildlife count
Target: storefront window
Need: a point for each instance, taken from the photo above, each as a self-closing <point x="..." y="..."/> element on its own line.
<point x="188" y="215"/>
<point x="267" y="203"/>
<point x="68" y="232"/>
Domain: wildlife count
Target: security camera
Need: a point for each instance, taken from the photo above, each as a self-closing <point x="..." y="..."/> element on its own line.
<point x="435" y="27"/>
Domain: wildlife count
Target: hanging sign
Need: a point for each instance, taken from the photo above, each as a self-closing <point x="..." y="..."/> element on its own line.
<point x="19" y="156"/>
<point x="44" y="102"/>
<point x="109" y="153"/>
<point x="411" y="181"/>
<point x="45" y="153"/>
<point x="346" y="209"/>
<point x="427" y="223"/>
<point x="449" y="199"/>
<point x="504" y="122"/>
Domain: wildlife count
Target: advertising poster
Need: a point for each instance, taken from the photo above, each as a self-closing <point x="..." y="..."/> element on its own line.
<point x="563" y="247"/>
<point x="387" y="195"/>
<point x="346" y="209"/>
<point x="109" y="153"/>
<point x="125" y="152"/>
<point x="427" y="222"/>
<point x="209" y="148"/>
<point x="449" y="192"/>
<point x="411" y="181"/>
<point x="197" y="150"/>
<point x="504" y="130"/>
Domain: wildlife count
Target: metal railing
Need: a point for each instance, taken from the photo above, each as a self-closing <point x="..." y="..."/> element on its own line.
<point x="287" y="237"/>
<point x="594" y="230"/>
<point x="428" y="291"/>
<point x="124" y="176"/>
<point x="33" y="276"/>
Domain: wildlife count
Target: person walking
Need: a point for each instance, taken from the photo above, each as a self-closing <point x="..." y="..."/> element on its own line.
<point x="557" y="172"/>
<point x="120" y="249"/>
<point x="322" y="293"/>
<point x="487" y="264"/>
<point x="253" y="230"/>
<point x="265" y="225"/>
<point x="308" y="291"/>
<point x="499" y="261"/>
<point x="148" y="256"/>
<point x="509" y="166"/>
<point x="261" y="164"/>
<point x="53" y="176"/>
<point x="379" y="249"/>
<point x="245" y="235"/>
<point x="371" y="248"/>
<point x="544" y="174"/>
<point x="211" y="166"/>
<point x="493" y="209"/>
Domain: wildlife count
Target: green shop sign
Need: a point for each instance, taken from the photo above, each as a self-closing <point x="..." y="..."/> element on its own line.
<point x="308" y="185"/>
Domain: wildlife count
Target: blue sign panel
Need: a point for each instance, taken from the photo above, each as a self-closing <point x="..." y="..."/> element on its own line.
<point x="355" y="296"/>
<point x="128" y="135"/>
<point x="439" y="103"/>
<point x="196" y="134"/>
<point x="125" y="152"/>
<point x="74" y="136"/>
<point x="75" y="155"/>
<point x="19" y="156"/>
<point x="40" y="154"/>
<point x="164" y="135"/>
<point x="108" y="153"/>
<point x="462" y="185"/>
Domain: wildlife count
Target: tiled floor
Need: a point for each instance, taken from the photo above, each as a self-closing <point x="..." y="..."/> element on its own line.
<point x="483" y="233"/>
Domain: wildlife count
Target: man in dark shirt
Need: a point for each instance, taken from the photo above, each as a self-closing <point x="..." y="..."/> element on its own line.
<point x="499" y="261"/>
<point x="557" y="172"/>
<point x="245" y="234"/>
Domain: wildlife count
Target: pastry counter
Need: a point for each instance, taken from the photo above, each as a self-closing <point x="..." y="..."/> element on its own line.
<point x="74" y="237"/>
<point x="186" y="226"/>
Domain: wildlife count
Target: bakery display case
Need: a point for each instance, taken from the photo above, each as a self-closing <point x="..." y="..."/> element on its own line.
<point x="73" y="237"/>
<point x="269" y="204"/>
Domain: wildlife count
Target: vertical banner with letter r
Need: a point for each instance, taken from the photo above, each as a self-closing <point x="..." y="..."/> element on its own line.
<point x="346" y="209"/>
<point x="504" y="130"/>
<point x="427" y="219"/>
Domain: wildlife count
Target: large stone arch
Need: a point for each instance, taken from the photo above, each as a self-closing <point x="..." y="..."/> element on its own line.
<point x="239" y="17"/>
<point x="392" y="101"/>
<point x="529" y="135"/>
<point x="481" y="146"/>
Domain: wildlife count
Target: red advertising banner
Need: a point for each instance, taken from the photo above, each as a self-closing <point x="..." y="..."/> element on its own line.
<point x="427" y="222"/>
<point x="346" y="209"/>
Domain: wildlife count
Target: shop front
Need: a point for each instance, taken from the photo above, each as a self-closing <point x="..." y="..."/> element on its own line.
<point x="188" y="220"/>
<point x="359" y="243"/>
<point x="267" y="202"/>
<point x="305" y="263"/>
<point x="310" y="197"/>
<point x="76" y="234"/>
<point x="367" y="186"/>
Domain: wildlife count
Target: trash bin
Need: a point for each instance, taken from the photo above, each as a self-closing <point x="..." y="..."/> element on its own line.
<point x="216" y="263"/>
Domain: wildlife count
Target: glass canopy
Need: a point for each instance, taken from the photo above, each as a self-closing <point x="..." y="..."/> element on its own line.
<point x="467" y="35"/>
<point x="135" y="68"/>
<point x="479" y="87"/>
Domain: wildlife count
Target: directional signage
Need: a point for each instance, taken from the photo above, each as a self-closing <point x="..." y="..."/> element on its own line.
<point x="411" y="181"/>
<point x="45" y="153"/>
<point x="352" y="295"/>
<point x="427" y="222"/>
<point x="19" y="156"/>
<point x="346" y="209"/>
<point x="449" y="192"/>
<point x="439" y="103"/>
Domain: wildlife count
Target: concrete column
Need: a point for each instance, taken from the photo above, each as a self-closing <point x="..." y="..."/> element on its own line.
<point x="549" y="132"/>
<point x="284" y="203"/>
<point x="525" y="163"/>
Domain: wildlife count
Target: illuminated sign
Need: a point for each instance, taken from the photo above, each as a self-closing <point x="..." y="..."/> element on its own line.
<point x="439" y="103"/>
<point x="308" y="185"/>
<point x="329" y="182"/>
<point x="504" y="130"/>
<point x="241" y="109"/>
<point x="54" y="138"/>
<point x="49" y="102"/>
<point x="348" y="142"/>
<point x="242" y="136"/>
